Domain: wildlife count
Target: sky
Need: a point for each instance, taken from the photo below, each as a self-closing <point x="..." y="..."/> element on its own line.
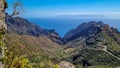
<point x="48" y="8"/>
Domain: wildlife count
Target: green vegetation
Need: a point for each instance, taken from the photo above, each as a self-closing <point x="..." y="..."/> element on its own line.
<point x="21" y="52"/>
<point x="28" y="52"/>
<point x="112" y="45"/>
<point x="46" y="64"/>
<point x="94" y="58"/>
<point x="17" y="62"/>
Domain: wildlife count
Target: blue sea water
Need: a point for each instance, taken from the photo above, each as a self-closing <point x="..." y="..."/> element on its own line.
<point x="62" y="26"/>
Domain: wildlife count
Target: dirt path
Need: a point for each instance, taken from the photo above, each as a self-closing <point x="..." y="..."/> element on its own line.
<point x="105" y="49"/>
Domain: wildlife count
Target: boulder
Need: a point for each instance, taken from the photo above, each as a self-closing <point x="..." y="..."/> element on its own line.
<point x="65" y="64"/>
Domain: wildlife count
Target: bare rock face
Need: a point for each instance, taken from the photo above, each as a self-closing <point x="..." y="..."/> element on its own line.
<point x="65" y="64"/>
<point x="3" y="27"/>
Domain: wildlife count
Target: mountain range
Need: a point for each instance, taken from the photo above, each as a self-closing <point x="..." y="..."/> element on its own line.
<point x="94" y="42"/>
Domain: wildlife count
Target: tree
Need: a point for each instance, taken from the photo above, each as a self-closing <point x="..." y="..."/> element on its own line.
<point x="22" y="62"/>
<point x="17" y="8"/>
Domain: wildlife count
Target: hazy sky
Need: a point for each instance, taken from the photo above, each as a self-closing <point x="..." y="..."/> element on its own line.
<point x="46" y="8"/>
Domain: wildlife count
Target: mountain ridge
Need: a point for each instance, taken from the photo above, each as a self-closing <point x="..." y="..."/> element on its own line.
<point x="82" y="27"/>
<point x="22" y="26"/>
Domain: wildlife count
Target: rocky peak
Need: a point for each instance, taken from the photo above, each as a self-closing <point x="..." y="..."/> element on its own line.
<point x="106" y="28"/>
<point x="86" y="29"/>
